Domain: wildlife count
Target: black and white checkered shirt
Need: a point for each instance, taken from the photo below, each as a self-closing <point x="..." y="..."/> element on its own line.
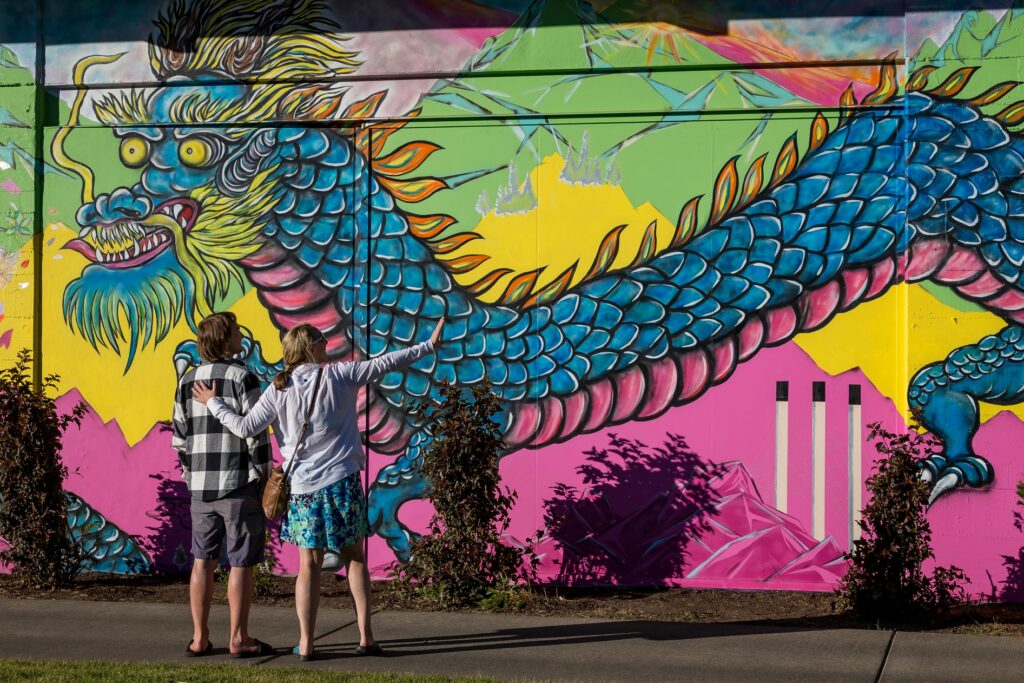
<point x="215" y="462"/>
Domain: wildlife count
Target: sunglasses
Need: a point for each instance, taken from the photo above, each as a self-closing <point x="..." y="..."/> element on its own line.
<point x="318" y="338"/>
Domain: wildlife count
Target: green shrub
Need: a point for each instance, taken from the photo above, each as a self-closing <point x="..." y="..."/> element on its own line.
<point x="886" y="580"/>
<point x="33" y="510"/>
<point x="462" y="559"/>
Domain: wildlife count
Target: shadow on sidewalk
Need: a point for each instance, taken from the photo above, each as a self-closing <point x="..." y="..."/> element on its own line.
<point x="559" y="635"/>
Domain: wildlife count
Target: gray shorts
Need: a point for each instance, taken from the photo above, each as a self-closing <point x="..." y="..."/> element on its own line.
<point x="238" y="519"/>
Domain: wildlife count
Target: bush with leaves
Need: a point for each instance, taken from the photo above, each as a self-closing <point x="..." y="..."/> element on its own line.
<point x="886" y="580"/>
<point x="33" y="510"/>
<point x="462" y="560"/>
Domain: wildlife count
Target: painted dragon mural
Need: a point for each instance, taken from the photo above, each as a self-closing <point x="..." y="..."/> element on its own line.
<point x="919" y="182"/>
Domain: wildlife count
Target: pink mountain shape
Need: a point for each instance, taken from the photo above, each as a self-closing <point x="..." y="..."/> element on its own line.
<point x="755" y="556"/>
<point x="824" y="563"/>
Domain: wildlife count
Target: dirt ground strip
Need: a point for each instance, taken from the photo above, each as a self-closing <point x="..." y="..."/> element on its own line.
<point x="671" y="604"/>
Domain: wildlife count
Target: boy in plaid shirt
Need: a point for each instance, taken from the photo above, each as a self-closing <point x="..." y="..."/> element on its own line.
<point x="223" y="473"/>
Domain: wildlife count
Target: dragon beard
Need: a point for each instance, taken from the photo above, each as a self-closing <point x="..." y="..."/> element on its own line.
<point x="128" y="308"/>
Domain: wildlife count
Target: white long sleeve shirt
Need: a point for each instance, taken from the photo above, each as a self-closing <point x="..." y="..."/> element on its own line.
<point x="331" y="449"/>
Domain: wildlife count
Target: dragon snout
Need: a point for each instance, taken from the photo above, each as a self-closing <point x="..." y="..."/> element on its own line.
<point x="120" y="205"/>
<point x="121" y="229"/>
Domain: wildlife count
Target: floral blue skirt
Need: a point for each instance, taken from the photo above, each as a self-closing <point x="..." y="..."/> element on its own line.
<point x="332" y="517"/>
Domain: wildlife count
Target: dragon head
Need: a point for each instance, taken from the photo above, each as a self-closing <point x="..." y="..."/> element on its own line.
<point x="170" y="245"/>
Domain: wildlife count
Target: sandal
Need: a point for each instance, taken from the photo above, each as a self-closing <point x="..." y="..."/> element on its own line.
<point x="372" y="650"/>
<point x="189" y="652"/>
<point x="262" y="650"/>
<point x="303" y="658"/>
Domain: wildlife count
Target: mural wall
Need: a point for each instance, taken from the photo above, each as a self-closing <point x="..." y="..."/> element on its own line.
<point x="695" y="249"/>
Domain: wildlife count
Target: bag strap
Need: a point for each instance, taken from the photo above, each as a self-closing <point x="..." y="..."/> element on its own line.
<point x="305" y="421"/>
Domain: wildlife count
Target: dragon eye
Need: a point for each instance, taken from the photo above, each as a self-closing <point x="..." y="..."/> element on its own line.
<point x="195" y="152"/>
<point x="134" y="151"/>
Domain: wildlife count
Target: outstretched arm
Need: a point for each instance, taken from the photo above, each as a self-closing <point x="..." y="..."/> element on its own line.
<point x="244" y="426"/>
<point x="364" y="372"/>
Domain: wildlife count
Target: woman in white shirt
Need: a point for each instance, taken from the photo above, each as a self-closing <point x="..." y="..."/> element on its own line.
<point x="327" y="506"/>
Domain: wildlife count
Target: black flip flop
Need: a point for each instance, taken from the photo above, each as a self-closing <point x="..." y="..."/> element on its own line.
<point x="374" y="650"/>
<point x="262" y="650"/>
<point x="189" y="652"/>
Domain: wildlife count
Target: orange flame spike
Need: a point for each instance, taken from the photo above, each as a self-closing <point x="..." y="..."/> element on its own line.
<point x="1012" y="115"/>
<point x="819" y="131"/>
<point x="382" y="132"/>
<point x="405" y="159"/>
<point x="606" y="253"/>
<point x="450" y="244"/>
<point x="487" y="281"/>
<point x="786" y="161"/>
<point x="847" y="101"/>
<point x="554" y="289"/>
<point x="365" y="108"/>
<point x="428" y="227"/>
<point x="648" y="245"/>
<point x="464" y="264"/>
<point x="520" y="287"/>
<point x="687" y="223"/>
<point x="725" y="191"/>
<point x="956" y="82"/>
<point x="887" y="87"/>
<point x="994" y="94"/>
<point x="919" y="79"/>
<point x="415" y="190"/>
<point x="753" y="181"/>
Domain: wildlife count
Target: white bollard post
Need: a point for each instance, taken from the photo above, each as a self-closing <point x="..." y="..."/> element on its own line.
<point x="781" y="445"/>
<point x="818" y="460"/>
<point x="854" y="446"/>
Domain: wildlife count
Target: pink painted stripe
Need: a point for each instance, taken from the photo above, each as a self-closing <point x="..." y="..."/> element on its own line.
<point x="325" y="318"/>
<point x="629" y="389"/>
<point x="1010" y="300"/>
<point x="855" y="284"/>
<point x="984" y="287"/>
<point x="925" y="258"/>
<point x="551" y="423"/>
<point x="782" y="324"/>
<point x="663" y="381"/>
<point x="882" y="274"/>
<point x="818" y="306"/>
<point x="527" y="421"/>
<point x="308" y="294"/>
<point x="269" y="254"/>
<point x="284" y="274"/>
<point x="602" y="395"/>
<point x="724" y="355"/>
<point x="575" y="412"/>
<point x="750" y="338"/>
<point x="963" y="265"/>
<point x="695" y="369"/>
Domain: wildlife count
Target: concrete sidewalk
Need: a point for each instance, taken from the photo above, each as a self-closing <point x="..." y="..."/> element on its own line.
<point x="504" y="646"/>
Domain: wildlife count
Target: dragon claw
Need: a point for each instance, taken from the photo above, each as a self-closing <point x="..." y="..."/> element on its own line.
<point x="948" y="475"/>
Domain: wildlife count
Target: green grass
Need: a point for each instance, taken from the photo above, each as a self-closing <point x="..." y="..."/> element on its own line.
<point x="102" y="672"/>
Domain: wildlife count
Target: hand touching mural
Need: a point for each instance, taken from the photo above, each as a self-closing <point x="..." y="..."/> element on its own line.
<point x="905" y="187"/>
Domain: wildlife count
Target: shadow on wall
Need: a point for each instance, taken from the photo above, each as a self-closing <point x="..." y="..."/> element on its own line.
<point x="170" y="543"/>
<point x="640" y="508"/>
<point x="1013" y="584"/>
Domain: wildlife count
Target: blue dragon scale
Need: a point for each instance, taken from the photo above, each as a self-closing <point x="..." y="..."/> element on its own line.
<point x="908" y="185"/>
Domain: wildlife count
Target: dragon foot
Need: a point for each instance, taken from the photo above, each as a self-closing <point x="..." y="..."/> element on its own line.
<point x="945" y="474"/>
<point x="384" y="501"/>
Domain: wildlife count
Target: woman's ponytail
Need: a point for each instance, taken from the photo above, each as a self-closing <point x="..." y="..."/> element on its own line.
<point x="281" y="379"/>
